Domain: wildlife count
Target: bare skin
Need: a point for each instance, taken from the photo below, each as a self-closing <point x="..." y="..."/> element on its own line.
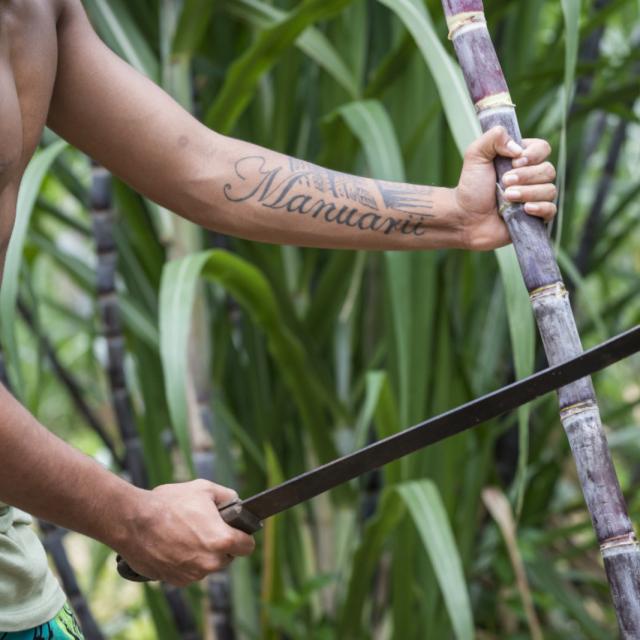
<point x="54" y="70"/>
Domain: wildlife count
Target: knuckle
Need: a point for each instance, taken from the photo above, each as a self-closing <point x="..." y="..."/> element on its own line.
<point x="214" y="564"/>
<point x="224" y="494"/>
<point x="219" y="562"/>
<point x="246" y="546"/>
<point x="226" y="541"/>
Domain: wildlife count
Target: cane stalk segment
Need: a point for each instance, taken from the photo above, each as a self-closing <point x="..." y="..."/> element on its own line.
<point x="579" y="411"/>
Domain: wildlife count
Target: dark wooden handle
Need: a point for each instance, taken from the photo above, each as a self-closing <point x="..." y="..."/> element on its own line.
<point x="233" y="513"/>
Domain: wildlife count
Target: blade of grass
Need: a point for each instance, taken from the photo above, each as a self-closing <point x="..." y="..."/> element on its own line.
<point x="571" y="14"/>
<point x="29" y="188"/>
<point x="270" y="45"/>
<point x="312" y="41"/>
<point x="428" y="513"/>
<point x="247" y="285"/>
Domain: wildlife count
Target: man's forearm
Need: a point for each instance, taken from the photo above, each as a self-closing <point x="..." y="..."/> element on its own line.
<point x="224" y="184"/>
<point x="44" y="476"/>
<point x="248" y="191"/>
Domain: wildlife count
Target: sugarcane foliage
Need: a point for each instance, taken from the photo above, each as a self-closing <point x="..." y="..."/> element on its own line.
<point x="249" y="287"/>
<point x="316" y="352"/>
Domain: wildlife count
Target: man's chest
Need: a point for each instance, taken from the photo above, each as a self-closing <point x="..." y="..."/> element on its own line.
<point x="28" y="60"/>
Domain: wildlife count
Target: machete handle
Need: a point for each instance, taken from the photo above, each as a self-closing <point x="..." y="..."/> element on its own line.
<point x="236" y="515"/>
<point x="233" y="513"/>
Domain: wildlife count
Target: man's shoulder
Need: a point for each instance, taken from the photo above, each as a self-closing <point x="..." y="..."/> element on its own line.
<point x="67" y="8"/>
<point x="19" y="14"/>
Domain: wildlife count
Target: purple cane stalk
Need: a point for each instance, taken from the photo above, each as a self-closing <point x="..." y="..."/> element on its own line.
<point x="578" y="406"/>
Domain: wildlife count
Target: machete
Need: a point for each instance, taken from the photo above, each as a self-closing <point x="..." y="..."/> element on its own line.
<point x="247" y="515"/>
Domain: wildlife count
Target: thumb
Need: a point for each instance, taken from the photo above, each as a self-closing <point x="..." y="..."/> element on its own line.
<point x="495" y="142"/>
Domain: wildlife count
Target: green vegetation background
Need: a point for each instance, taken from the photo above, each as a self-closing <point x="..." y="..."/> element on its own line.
<point x="296" y="355"/>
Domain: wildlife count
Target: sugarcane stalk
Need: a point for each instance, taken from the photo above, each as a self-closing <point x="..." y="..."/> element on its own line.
<point x="68" y="380"/>
<point x="102" y="216"/>
<point x="592" y="226"/>
<point x="579" y="411"/>
<point x="53" y="540"/>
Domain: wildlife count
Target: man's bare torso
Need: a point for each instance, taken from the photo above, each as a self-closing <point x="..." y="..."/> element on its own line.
<point x="28" y="61"/>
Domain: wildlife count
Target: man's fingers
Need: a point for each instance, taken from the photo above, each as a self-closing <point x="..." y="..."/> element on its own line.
<point x="537" y="193"/>
<point x="537" y="174"/>
<point x="233" y="542"/>
<point x="536" y="151"/>
<point x="544" y="210"/>
<point x="495" y="142"/>
<point x="218" y="562"/>
<point x="218" y="493"/>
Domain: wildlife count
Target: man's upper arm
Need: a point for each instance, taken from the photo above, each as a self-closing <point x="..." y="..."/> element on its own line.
<point x="121" y="118"/>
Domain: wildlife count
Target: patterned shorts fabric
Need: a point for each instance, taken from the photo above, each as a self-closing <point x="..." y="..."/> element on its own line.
<point x="63" y="627"/>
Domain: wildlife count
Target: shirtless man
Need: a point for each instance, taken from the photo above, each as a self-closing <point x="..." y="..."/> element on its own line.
<point x="54" y="70"/>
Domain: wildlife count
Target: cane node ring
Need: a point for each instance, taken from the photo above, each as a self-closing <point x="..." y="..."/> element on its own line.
<point x="455" y="23"/>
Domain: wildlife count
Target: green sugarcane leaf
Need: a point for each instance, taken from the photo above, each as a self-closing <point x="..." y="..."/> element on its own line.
<point x="370" y="123"/>
<point x="548" y="580"/>
<point x="115" y="24"/>
<point x="251" y="289"/>
<point x="571" y="13"/>
<point x="163" y="622"/>
<point x="363" y="565"/>
<point x="465" y="128"/>
<point x="312" y="41"/>
<point x="412" y="316"/>
<point x="522" y="332"/>
<point x="192" y="25"/>
<point x="29" y="189"/>
<point x="269" y="46"/>
<point x="446" y="74"/>
<point x="386" y="420"/>
<point x="589" y="302"/>
<point x="374" y="383"/>
<point x="430" y="517"/>
<point x="177" y="295"/>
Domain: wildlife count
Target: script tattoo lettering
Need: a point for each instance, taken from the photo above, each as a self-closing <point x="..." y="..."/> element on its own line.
<point x="306" y="189"/>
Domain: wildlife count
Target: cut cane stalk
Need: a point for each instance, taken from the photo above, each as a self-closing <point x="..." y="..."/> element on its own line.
<point x="578" y="406"/>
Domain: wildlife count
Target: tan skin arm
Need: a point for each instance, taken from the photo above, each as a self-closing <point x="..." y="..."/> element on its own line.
<point x="127" y="123"/>
<point x="173" y="533"/>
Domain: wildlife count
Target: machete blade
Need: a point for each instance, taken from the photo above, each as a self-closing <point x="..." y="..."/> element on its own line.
<point x="247" y="514"/>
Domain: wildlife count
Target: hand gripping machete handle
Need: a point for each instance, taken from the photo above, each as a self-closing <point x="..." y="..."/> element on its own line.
<point x="233" y="513"/>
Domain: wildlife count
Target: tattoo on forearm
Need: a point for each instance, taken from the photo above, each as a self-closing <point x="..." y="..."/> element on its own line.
<point x="407" y="198"/>
<point x="306" y="189"/>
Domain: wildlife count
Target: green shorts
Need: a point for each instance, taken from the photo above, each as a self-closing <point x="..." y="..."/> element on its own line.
<point x="63" y="627"/>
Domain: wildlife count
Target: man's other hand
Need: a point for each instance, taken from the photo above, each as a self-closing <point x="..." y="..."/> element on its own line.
<point x="176" y="534"/>
<point x="530" y="182"/>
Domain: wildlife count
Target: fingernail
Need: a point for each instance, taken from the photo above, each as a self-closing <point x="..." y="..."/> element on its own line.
<point x="520" y="162"/>
<point x="512" y="145"/>
<point x="513" y="194"/>
<point x="531" y="208"/>
<point x="510" y="178"/>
